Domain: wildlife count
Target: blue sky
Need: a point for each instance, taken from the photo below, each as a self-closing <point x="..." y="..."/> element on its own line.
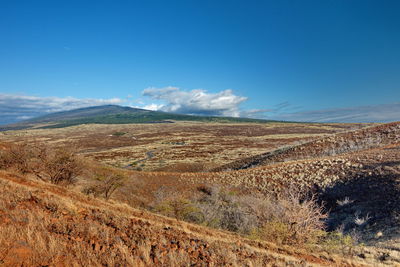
<point x="305" y="60"/>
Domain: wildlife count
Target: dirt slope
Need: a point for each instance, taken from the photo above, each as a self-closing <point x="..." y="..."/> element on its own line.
<point x="368" y="175"/>
<point x="45" y="225"/>
<point x="37" y="218"/>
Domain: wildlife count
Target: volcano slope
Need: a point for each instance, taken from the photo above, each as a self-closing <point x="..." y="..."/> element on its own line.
<point x="357" y="181"/>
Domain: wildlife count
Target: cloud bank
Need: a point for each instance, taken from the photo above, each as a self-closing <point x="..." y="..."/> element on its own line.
<point x="226" y="103"/>
<point x="15" y="108"/>
<point x="372" y="113"/>
<point x="196" y="102"/>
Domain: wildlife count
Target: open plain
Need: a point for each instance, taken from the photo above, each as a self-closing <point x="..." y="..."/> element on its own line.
<point x="179" y="146"/>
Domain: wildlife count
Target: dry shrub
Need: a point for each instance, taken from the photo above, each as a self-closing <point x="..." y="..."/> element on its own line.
<point x="213" y="208"/>
<point x="339" y="242"/>
<point x="292" y="218"/>
<point x="17" y="157"/>
<point x="225" y="210"/>
<point x="175" y="205"/>
<point x="59" y="166"/>
<point x="107" y="182"/>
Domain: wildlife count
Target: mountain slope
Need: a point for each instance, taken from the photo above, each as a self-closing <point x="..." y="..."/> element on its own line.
<point x="113" y="114"/>
<point x="46" y="225"/>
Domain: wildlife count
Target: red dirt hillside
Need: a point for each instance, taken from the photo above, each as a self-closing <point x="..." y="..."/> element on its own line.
<point x="47" y="225"/>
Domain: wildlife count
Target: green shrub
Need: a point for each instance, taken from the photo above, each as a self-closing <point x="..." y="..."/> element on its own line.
<point x="339" y="242"/>
<point x="119" y="133"/>
<point x="275" y="231"/>
<point x="181" y="209"/>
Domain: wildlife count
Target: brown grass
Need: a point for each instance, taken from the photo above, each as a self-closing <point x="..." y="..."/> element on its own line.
<point x="79" y="223"/>
<point x="180" y="146"/>
<point x="43" y="225"/>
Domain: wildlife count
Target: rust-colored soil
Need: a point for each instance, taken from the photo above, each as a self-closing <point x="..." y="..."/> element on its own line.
<point x="44" y="225"/>
<point x="336" y="161"/>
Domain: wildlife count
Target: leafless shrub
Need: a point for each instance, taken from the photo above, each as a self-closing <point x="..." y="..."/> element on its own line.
<point x="225" y="210"/>
<point x="59" y="166"/>
<point x="106" y="185"/>
<point x="296" y="217"/>
<point x="291" y="218"/>
<point x="17" y="157"/>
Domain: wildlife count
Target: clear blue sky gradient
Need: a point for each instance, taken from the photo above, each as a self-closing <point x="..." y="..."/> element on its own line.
<point x="313" y="54"/>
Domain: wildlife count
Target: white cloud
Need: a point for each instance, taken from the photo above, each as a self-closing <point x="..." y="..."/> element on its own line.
<point x="17" y="107"/>
<point x="153" y="106"/>
<point x="372" y="113"/>
<point x="14" y="107"/>
<point x="198" y="101"/>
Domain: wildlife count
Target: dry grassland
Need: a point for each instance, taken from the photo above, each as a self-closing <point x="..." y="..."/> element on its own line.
<point x="180" y="146"/>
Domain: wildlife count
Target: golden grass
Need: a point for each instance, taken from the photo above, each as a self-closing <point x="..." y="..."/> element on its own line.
<point x="43" y="224"/>
<point x="211" y="144"/>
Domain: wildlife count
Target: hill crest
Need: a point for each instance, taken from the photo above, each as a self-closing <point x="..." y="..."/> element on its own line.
<point x="113" y="114"/>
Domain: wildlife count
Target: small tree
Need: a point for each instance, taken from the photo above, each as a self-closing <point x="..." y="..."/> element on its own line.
<point x="58" y="166"/>
<point x="107" y="183"/>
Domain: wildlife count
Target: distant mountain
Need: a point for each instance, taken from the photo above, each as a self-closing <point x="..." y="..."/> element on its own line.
<point x="113" y="114"/>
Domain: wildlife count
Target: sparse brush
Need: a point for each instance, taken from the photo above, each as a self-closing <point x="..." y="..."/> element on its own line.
<point x="180" y="209"/>
<point x="59" y="166"/>
<point x="338" y="242"/>
<point x="292" y="218"/>
<point x="17" y="157"/>
<point x="106" y="185"/>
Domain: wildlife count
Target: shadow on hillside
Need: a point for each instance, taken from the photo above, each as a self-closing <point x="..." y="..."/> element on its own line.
<point x="373" y="198"/>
